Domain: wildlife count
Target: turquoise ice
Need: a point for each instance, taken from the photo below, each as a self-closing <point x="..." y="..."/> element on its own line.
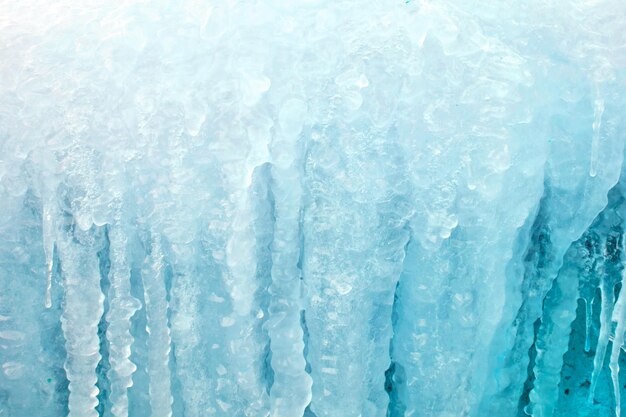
<point x="315" y="208"/>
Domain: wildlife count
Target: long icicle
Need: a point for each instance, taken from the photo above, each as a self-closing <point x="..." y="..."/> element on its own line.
<point x="241" y="263"/>
<point x="83" y="308"/>
<point x="619" y="316"/>
<point x="159" y="342"/>
<point x="122" y="306"/>
<point x="608" y="298"/>
<point x="48" y="247"/>
<point x="291" y="391"/>
<point x="609" y="274"/>
<point x="555" y="330"/>
<point x="588" y="318"/>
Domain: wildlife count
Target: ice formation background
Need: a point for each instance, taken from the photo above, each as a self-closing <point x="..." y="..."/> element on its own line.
<point x="312" y="208"/>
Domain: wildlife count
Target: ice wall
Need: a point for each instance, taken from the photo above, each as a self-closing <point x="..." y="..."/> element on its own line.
<point x="315" y="208"/>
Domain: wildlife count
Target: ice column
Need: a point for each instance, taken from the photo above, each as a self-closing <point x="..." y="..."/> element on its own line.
<point x="122" y="306"/>
<point x="554" y="334"/>
<point x="83" y="308"/>
<point x="291" y="391"/>
<point x="619" y="316"/>
<point x="610" y="275"/>
<point x="158" y="330"/>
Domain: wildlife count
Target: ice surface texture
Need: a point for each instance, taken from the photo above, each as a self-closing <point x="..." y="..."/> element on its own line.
<point x="312" y="208"/>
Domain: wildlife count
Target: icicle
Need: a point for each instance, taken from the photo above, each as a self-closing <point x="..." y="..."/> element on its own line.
<point x="554" y="333"/>
<point x="159" y="342"/>
<point x="291" y="391"/>
<point x="619" y="316"/>
<point x="48" y="247"/>
<point x="608" y="275"/>
<point x="83" y="308"/>
<point x="239" y="375"/>
<point x="244" y="377"/>
<point x="197" y="390"/>
<point x="122" y="307"/>
<point x="598" y="110"/>
<point x="596" y="278"/>
<point x="588" y="318"/>
<point x="603" y="338"/>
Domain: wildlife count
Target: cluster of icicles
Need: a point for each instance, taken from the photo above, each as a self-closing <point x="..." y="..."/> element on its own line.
<point x="596" y="260"/>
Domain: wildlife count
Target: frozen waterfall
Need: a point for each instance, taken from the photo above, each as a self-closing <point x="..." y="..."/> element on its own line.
<point x="315" y="208"/>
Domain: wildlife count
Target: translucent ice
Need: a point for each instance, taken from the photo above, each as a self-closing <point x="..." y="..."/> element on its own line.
<point x="317" y="208"/>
